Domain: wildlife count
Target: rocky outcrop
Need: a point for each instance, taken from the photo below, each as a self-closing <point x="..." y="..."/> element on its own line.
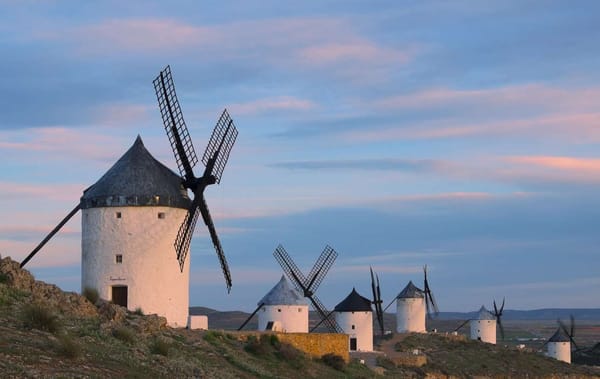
<point x="49" y="294"/>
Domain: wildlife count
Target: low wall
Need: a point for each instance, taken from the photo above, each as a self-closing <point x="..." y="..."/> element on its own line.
<point x="318" y="344"/>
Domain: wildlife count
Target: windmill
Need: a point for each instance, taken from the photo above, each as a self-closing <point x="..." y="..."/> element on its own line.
<point x="377" y="300"/>
<point x="309" y="284"/>
<point x="215" y="158"/>
<point x="498" y="316"/>
<point x="430" y="303"/>
<point x="559" y="345"/>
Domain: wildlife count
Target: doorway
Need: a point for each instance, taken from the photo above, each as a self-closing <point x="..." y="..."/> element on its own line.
<point x="353" y="344"/>
<point x="119" y="295"/>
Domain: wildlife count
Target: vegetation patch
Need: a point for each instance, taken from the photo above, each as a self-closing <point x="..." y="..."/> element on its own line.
<point x="38" y="316"/>
<point x="334" y="360"/>
<point x="91" y="294"/>
<point x="124" y="334"/>
<point x="3" y="278"/>
<point x="67" y="347"/>
<point x="160" y="346"/>
<point x="139" y="311"/>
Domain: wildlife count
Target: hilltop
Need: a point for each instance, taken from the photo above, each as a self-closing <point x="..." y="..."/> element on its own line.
<point x="45" y="332"/>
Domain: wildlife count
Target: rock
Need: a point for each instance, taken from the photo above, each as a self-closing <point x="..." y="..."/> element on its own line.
<point x="110" y="312"/>
<point x="149" y="323"/>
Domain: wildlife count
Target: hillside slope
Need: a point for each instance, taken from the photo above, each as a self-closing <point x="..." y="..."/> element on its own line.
<point x="45" y="332"/>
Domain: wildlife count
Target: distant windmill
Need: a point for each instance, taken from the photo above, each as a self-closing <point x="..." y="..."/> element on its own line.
<point x="559" y="345"/>
<point x="215" y="158"/>
<point x="485" y="324"/>
<point x="377" y="300"/>
<point x="413" y="305"/>
<point x="309" y="284"/>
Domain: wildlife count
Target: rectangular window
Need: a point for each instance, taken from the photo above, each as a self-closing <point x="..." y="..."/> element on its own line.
<point x="119" y="258"/>
<point x="118" y="214"/>
<point x="161" y="215"/>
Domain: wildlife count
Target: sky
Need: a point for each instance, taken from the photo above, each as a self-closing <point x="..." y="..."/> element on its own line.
<point x="463" y="135"/>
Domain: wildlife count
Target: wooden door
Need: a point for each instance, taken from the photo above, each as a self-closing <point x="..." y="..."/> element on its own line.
<point x="119" y="295"/>
<point x="352" y="344"/>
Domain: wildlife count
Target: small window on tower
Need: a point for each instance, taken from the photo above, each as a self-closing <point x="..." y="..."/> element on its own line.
<point x="352" y="327"/>
<point x="118" y="214"/>
<point x="278" y="310"/>
<point x="119" y="258"/>
<point x="299" y="309"/>
<point x="161" y="215"/>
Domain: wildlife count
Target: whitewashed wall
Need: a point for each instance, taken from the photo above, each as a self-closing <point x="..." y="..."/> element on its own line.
<point x="560" y="351"/>
<point x="363" y="328"/>
<point x="150" y="269"/>
<point x="410" y="315"/>
<point x="484" y="330"/>
<point x="293" y="318"/>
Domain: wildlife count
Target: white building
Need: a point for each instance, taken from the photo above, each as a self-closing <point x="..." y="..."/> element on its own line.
<point x="130" y="219"/>
<point x="283" y="309"/>
<point x="410" y="310"/>
<point x="559" y="346"/>
<point x="483" y="327"/>
<point x="355" y="316"/>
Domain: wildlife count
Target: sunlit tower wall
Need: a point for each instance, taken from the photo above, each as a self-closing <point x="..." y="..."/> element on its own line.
<point x="559" y="347"/>
<point x="483" y="327"/>
<point x="355" y="316"/>
<point x="130" y="220"/>
<point x="410" y="310"/>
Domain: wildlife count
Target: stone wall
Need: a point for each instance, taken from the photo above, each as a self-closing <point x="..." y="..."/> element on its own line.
<point x="318" y="344"/>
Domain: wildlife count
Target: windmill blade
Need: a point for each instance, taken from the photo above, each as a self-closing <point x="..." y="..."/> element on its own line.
<point x="320" y="268"/>
<point x="461" y="325"/>
<point x="215" y="240"/>
<point x="51" y="234"/>
<point x="291" y="270"/>
<point x="185" y="232"/>
<point x="219" y="146"/>
<point x="498" y="314"/>
<point x="429" y="299"/>
<point x="377" y="300"/>
<point x="321" y="321"/>
<point x="322" y="311"/>
<point x="378" y="307"/>
<point x="501" y="328"/>
<point x="568" y="332"/>
<point x="177" y="131"/>
<point x="250" y="317"/>
<point x="391" y="302"/>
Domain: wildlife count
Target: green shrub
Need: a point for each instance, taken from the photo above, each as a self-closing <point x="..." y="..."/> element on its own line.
<point x="138" y="311"/>
<point x="91" y="294"/>
<point x="334" y="360"/>
<point x="290" y="355"/>
<point x="3" y="278"/>
<point x="38" y="316"/>
<point x="211" y="336"/>
<point x="160" y="346"/>
<point x="260" y="346"/>
<point x="67" y="347"/>
<point x="124" y="334"/>
<point x="386" y="363"/>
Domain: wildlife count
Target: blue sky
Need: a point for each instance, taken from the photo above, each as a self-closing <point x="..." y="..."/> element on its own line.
<point x="462" y="135"/>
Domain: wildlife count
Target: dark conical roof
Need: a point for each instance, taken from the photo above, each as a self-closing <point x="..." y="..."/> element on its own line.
<point x="137" y="179"/>
<point x="484" y="314"/>
<point x="283" y="294"/>
<point x="559" y="336"/>
<point x="354" y="303"/>
<point x="411" y="292"/>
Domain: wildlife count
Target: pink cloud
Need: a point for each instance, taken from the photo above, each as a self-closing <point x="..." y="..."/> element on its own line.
<point x="573" y="127"/>
<point x="46" y="192"/>
<point x="581" y="165"/>
<point x="283" y="103"/>
<point x="351" y="51"/>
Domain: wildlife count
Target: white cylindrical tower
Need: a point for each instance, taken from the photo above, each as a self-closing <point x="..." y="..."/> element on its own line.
<point x="130" y="219"/>
<point x="410" y="310"/>
<point x="283" y="309"/>
<point x="559" y="346"/>
<point x="483" y="327"/>
<point x="355" y="316"/>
